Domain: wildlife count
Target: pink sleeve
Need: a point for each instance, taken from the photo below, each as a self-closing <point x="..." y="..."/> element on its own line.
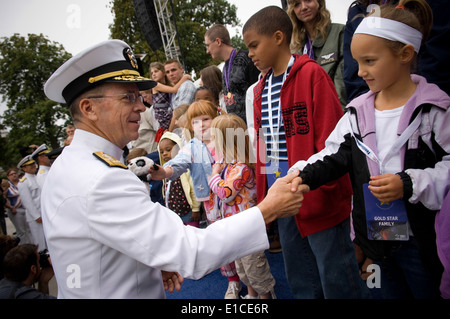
<point x="235" y="179"/>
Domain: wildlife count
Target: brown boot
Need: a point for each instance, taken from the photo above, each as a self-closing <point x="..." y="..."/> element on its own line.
<point x="275" y="245"/>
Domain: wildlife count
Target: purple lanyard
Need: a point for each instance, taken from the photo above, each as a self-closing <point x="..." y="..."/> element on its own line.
<point x="309" y="48"/>
<point x="227" y="74"/>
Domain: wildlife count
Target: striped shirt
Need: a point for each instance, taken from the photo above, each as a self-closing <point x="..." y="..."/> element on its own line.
<point x="271" y="118"/>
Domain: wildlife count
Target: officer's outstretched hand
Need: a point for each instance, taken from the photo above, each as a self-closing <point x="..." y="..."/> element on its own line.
<point x="284" y="198"/>
<point x="171" y="280"/>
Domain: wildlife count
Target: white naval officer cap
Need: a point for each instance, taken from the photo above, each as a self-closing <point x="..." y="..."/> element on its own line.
<point x="108" y="61"/>
<point x="43" y="149"/>
<point x="27" y="160"/>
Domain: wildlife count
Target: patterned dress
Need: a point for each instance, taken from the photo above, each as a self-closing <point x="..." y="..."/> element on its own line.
<point x="234" y="190"/>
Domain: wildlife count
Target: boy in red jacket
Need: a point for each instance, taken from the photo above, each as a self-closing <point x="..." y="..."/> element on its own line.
<point x="296" y="107"/>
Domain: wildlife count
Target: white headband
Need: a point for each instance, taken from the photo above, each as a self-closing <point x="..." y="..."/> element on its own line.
<point x="391" y="30"/>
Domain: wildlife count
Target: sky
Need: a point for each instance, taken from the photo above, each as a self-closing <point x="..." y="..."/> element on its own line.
<point x="78" y="24"/>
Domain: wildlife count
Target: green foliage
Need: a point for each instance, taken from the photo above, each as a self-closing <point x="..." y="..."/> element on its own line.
<point x="238" y="43"/>
<point x="193" y="17"/>
<point x="126" y="28"/>
<point x="27" y="62"/>
<point x="30" y="118"/>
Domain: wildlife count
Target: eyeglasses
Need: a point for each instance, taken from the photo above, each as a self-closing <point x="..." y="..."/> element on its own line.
<point x="207" y="45"/>
<point x="131" y="97"/>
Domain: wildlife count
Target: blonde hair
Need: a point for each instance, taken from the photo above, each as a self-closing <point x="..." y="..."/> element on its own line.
<point x="231" y="139"/>
<point x="179" y="111"/>
<point x="198" y="108"/>
<point x="415" y="13"/>
<point x="5" y="184"/>
<point x="179" y="115"/>
<point x="323" y="20"/>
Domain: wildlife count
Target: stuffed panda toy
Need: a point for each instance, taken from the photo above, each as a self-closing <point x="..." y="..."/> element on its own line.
<point x="140" y="166"/>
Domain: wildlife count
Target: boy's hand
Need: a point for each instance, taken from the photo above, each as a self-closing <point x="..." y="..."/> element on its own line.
<point x="387" y="187"/>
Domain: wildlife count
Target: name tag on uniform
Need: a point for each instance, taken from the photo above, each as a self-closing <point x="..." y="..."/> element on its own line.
<point x="327" y="58"/>
<point x="385" y="221"/>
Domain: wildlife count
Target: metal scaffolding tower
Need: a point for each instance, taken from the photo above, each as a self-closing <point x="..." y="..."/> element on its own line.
<point x="167" y="27"/>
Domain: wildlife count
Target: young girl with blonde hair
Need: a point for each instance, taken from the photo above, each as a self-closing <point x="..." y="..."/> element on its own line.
<point x="198" y="154"/>
<point x="395" y="143"/>
<point x="233" y="183"/>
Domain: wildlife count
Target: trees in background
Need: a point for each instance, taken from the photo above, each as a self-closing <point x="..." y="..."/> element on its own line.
<point x="27" y="62"/>
<point x="30" y="118"/>
<point x="193" y="18"/>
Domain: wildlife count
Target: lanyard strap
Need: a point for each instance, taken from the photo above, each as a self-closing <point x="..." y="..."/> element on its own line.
<point x="274" y="132"/>
<point x="399" y="142"/>
<point x="309" y="48"/>
<point x="228" y="72"/>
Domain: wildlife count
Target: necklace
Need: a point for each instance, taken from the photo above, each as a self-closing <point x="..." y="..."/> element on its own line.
<point x="227" y="73"/>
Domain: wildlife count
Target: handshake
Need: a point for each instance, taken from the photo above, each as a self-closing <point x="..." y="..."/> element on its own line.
<point x="284" y="198"/>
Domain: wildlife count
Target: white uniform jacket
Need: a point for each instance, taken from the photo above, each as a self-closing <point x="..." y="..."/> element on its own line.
<point x="107" y="239"/>
<point x="30" y="194"/>
<point x="42" y="174"/>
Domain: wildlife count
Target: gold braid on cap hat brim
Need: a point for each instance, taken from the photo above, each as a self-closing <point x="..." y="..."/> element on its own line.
<point x="113" y="74"/>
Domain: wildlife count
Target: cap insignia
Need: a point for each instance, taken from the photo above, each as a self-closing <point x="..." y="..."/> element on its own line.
<point x="129" y="56"/>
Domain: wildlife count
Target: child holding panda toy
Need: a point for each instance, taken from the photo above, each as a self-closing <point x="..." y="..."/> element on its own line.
<point x="179" y="193"/>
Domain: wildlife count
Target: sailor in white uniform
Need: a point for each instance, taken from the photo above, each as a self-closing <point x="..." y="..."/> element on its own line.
<point x="43" y="161"/>
<point x="30" y="194"/>
<point x="106" y="238"/>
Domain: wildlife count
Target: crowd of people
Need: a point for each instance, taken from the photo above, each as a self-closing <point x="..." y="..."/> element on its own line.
<point x="351" y="115"/>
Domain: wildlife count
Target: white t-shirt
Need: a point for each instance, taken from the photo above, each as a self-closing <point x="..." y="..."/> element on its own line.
<point x="386" y="125"/>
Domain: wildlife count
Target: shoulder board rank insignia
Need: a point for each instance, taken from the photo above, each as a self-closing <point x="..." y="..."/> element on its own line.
<point x="109" y="160"/>
<point x="23" y="179"/>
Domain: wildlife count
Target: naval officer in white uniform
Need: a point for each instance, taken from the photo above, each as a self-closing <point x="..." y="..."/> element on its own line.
<point x="105" y="236"/>
<point x="41" y="158"/>
<point x="30" y="194"/>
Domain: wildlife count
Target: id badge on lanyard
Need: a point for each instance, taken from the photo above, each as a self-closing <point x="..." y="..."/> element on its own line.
<point x="276" y="168"/>
<point x="385" y="221"/>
